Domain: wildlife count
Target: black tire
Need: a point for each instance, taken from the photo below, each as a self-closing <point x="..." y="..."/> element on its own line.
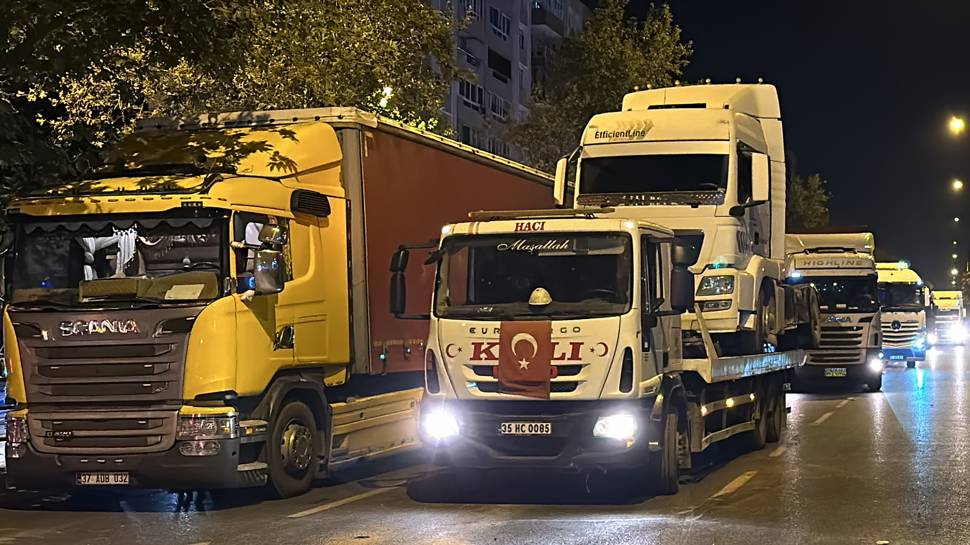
<point x="875" y="383"/>
<point x="910" y="364"/>
<point x="663" y="469"/>
<point x="292" y="451"/>
<point x="777" y="420"/>
<point x="758" y="437"/>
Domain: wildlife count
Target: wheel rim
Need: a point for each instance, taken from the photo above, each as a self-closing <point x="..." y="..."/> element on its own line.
<point x="296" y="447"/>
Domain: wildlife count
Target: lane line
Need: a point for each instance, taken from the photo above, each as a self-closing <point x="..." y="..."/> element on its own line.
<point x="733" y="486"/>
<point x="338" y="503"/>
<point x="778" y="452"/>
<point x="842" y="403"/>
<point x="823" y="418"/>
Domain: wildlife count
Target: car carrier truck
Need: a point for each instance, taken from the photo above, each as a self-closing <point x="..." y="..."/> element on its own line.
<point x="904" y="299"/>
<point x="841" y="267"/>
<point x="949" y="315"/>
<point x="555" y="344"/>
<point x="708" y="162"/>
<point x="210" y="310"/>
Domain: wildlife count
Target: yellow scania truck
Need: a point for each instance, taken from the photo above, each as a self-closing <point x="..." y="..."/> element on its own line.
<point x="209" y="310"/>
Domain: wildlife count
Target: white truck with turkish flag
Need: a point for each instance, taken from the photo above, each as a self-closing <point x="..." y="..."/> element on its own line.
<point x="555" y="343"/>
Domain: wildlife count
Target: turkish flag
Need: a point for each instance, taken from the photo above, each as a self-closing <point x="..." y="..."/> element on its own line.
<point x="525" y="359"/>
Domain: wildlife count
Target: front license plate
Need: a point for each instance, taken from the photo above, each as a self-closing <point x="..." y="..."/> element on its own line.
<point x="103" y="478"/>
<point x="835" y="372"/>
<point x="525" y="428"/>
<point x="897" y="357"/>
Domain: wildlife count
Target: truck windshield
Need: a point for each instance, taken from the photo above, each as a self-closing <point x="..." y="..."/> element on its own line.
<point x="901" y="296"/>
<point x="845" y="293"/>
<point x="105" y="260"/>
<point x="694" y="174"/>
<point x="571" y="275"/>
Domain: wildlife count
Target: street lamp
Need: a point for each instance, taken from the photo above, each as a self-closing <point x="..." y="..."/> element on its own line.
<point x="954" y="256"/>
<point x="957" y="125"/>
<point x="954" y="272"/>
<point x="957" y="185"/>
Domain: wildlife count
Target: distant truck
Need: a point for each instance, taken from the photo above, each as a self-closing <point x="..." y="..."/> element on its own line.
<point x="210" y="310"/>
<point x="949" y="324"/>
<point x="842" y="268"/>
<point x="904" y="299"/>
<point x="707" y="162"/>
<point x="556" y="344"/>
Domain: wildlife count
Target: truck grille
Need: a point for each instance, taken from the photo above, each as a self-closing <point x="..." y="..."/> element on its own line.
<point x="102" y="432"/>
<point x="568" y="377"/>
<point x="902" y="337"/>
<point x="135" y="367"/>
<point x="840" y="344"/>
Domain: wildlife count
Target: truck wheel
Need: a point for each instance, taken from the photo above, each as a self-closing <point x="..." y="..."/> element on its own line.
<point x="777" y="419"/>
<point x="291" y="452"/>
<point x="663" y="469"/>
<point x="910" y="364"/>
<point x="875" y="384"/>
<point x="810" y="334"/>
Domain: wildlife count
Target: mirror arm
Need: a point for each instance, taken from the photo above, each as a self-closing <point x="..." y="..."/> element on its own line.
<point x="738" y="209"/>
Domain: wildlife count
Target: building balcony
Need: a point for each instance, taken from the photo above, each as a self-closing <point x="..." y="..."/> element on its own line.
<point x="547" y="23"/>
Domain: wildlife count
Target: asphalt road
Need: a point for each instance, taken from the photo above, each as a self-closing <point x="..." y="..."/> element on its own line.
<point x="889" y="467"/>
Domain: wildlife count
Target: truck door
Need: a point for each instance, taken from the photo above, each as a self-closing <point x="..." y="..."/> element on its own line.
<point x="659" y="343"/>
<point x="757" y="221"/>
<point x="264" y="323"/>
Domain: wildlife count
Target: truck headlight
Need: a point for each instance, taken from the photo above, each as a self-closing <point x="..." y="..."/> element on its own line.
<point x="18" y="435"/>
<point x="440" y="425"/>
<point x="920" y="342"/>
<point x="716" y="285"/>
<point x="932" y="338"/>
<point x="207" y="427"/>
<point x="875" y="364"/>
<point x="622" y="426"/>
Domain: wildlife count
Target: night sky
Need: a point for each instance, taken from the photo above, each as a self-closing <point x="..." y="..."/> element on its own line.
<point x="866" y="89"/>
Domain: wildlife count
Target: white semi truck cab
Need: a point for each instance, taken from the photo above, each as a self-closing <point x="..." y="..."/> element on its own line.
<point x="904" y="299"/>
<point x="842" y="268"/>
<point x="708" y="163"/>
<point x="949" y="315"/>
<point x="555" y="343"/>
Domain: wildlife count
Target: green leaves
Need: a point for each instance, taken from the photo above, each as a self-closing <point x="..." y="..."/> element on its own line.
<point x="807" y="203"/>
<point x="76" y="74"/>
<point x="593" y="70"/>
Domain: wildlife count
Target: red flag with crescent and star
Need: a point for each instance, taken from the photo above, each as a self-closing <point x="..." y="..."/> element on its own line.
<point x="525" y="359"/>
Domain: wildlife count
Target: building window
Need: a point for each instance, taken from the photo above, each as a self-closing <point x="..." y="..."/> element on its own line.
<point x="500" y="66"/>
<point x="499" y="107"/>
<point x="501" y="24"/>
<point x="471" y="136"/>
<point x="498" y="147"/>
<point x="473" y="7"/>
<point x="472" y="94"/>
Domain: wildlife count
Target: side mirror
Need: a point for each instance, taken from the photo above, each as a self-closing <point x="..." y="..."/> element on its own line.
<point x="399" y="294"/>
<point x="269" y="275"/>
<point x="683" y="253"/>
<point x="681" y="289"/>
<point x="760" y="178"/>
<point x="559" y="187"/>
<point x="399" y="261"/>
<point x="272" y="235"/>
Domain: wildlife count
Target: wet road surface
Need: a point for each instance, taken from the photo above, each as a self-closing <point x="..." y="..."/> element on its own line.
<point x="888" y="467"/>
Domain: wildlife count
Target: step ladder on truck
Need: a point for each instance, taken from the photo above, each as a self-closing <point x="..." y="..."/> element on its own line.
<point x="555" y="343"/>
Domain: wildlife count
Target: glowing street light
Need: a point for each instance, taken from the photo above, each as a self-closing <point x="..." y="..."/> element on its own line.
<point x="957" y="185"/>
<point x="956" y="219"/>
<point x="954" y="256"/>
<point x="954" y="272"/>
<point x="957" y="125"/>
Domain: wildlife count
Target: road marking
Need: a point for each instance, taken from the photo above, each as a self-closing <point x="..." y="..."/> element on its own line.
<point x="733" y="486"/>
<point x="338" y="503"/>
<point x="823" y="418"/>
<point x="778" y="452"/>
<point x="842" y="403"/>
